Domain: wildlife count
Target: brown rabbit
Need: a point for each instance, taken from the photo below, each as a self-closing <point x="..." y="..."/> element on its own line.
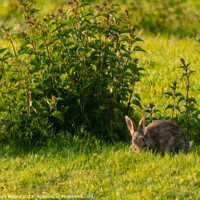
<point x="158" y="136"/>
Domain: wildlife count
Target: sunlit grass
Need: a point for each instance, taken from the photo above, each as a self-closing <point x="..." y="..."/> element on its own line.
<point x="101" y="172"/>
<point x="162" y="62"/>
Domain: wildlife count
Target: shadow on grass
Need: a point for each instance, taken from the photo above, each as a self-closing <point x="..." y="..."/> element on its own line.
<point x="62" y="146"/>
<point x="66" y="145"/>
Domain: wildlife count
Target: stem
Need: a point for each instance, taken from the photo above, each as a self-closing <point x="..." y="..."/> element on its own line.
<point x="111" y="110"/>
<point x="130" y="97"/>
<point x="187" y="75"/>
<point x="28" y="93"/>
<point x="49" y="60"/>
<point x="11" y="41"/>
<point x="187" y="98"/>
<point x="35" y="50"/>
<point x="173" y="108"/>
<point x="174" y="98"/>
<point x="188" y="105"/>
<point x="8" y="100"/>
<point x="84" y="75"/>
<point x="30" y="21"/>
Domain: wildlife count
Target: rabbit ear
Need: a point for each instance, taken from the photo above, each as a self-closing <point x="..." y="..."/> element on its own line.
<point x="130" y="124"/>
<point x="141" y="126"/>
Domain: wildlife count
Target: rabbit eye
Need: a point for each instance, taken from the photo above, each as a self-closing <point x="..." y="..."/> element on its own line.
<point x="142" y="139"/>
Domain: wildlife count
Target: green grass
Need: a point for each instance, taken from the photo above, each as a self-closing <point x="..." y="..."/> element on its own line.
<point x="76" y="168"/>
<point x="98" y="171"/>
<point x="162" y="62"/>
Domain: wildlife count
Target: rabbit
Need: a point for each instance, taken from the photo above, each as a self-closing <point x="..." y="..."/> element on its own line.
<point x="159" y="136"/>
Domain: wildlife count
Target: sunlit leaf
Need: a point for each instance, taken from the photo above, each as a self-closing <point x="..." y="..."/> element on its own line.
<point x="138" y="48"/>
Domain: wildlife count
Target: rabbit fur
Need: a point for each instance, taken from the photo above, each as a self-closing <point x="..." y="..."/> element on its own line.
<point x="159" y="136"/>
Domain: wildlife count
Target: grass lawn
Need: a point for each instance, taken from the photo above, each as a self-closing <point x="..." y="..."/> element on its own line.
<point x="91" y="169"/>
<point x="162" y="62"/>
<point x="75" y="169"/>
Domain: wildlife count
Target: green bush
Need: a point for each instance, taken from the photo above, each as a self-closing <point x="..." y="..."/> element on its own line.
<point x="72" y="71"/>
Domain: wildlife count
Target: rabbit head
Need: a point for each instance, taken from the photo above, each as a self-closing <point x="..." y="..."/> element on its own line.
<point x="139" y="140"/>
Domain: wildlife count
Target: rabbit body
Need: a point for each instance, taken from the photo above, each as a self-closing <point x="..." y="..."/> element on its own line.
<point x="164" y="135"/>
<point x="158" y="136"/>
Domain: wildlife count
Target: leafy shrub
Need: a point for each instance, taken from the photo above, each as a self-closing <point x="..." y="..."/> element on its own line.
<point x="73" y="70"/>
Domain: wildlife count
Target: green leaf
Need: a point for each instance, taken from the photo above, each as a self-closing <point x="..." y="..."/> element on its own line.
<point x="182" y="98"/>
<point x="169" y="94"/>
<point x="184" y="75"/>
<point x="178" y="94"/>
<point x="137" y="103"/>
<point x="156" y="110"/>
<point x="52" y="28"/>
<point x="127" y="74"/>
<point x="137" y="39"/>
<point x="131" y="66"/>
<point x="6" y="56"/>
<point x="94" y="45"/>
<point x="123" y="98"/>
<point x="151" y="105"/>
<point x="2" y="108"/>
<point x="2" y="50"/>
<point x="188" y="65"/>
<point x="177" y="108"/>
<point x="84" y="4"/>
<point x="191" y="71"/>
<point x="141" y="69"/>
<point x="147" y="110"/>
<point x="124" y="38"/>
<point x="138" y="48"/>
<point x="58" y="115"/>
<point x="126" y="55"/>
<point x="67" y="23"/>
<point x="192" y="100"/>
<point x="137" y="96"/>
<point x="182" y="67"/>
<point x="114" y="28"/>
<point x="169" y="107"/>
<point x="25" y="50"/>
<point x="125" y="30"/>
